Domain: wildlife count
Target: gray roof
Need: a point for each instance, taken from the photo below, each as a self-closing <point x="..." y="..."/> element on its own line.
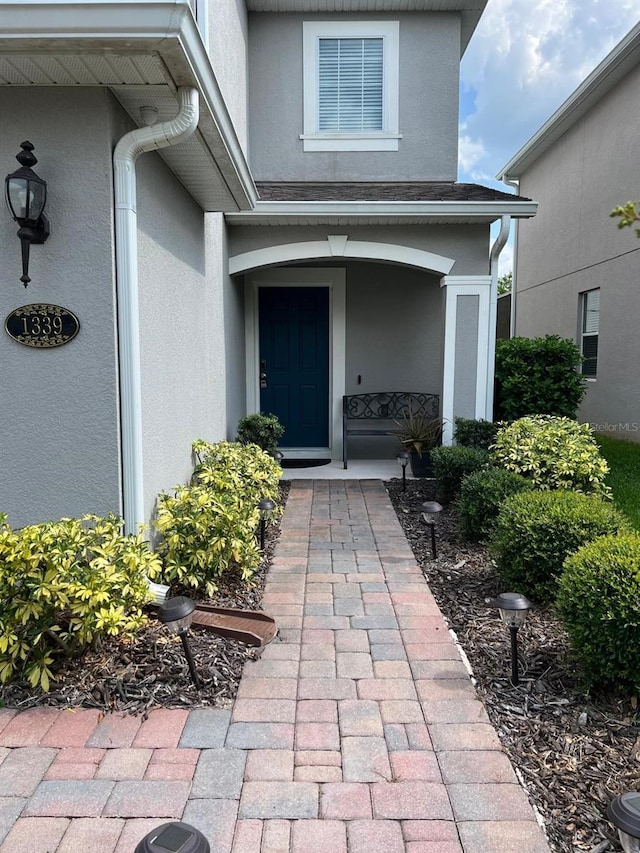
<point x="371" y="191"/>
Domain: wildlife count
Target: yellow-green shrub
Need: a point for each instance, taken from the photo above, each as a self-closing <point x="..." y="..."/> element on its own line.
<point x="552" y="452"/>
<point x="63" y="584"/>
<point x="599" y="601"/>
<point x="209" y="527"/>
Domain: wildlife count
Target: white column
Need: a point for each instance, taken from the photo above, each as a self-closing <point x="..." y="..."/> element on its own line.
<point x="457" y="287"/>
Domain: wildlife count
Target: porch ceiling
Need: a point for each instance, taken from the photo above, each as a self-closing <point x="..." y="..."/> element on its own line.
<point x="470" y="10"/>
<point x="142" y="56"/>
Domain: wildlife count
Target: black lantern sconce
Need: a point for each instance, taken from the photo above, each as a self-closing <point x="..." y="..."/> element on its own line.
<point x="266" y="507"/>
<point x="624" y="814"/>
<point x="177" y="613"/>
<point x="26" y="196"/>
<point x="403" y="458"/>
<point x="430" y="511"/>
<point x="174" y="837"/>
<point x="513" y="609"/>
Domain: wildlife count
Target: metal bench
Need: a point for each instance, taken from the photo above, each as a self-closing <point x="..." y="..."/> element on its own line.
<point x="376" y="413"/>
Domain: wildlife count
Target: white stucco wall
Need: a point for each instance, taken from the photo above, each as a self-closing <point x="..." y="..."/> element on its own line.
<point x="58" y="419"/>
<point x="572" y="246"/>
<point x="429" y="71"/>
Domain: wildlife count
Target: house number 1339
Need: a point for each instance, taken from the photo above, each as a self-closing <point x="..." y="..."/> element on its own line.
<point x="42" y="326"/>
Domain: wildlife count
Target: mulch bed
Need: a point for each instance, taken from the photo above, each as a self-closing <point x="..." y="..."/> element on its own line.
<point x="574" y="751"/>
<point x="150" y="670"/>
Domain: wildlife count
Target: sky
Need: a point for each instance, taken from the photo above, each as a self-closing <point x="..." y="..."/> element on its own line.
<point x="523" y="61"/>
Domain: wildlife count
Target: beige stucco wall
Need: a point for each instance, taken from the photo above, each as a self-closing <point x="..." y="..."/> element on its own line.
<point x="228" y="39"/>
<point x="572" y="246"/>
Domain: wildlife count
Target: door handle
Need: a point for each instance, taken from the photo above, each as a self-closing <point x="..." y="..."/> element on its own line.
<point x="263" y="374"/>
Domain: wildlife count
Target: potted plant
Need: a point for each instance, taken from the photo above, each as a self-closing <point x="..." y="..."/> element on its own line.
<point x="419" y="435"/>
<point x="263" y="430"/>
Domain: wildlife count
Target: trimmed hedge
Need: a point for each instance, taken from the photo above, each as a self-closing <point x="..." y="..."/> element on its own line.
<point x="478" y="433"/>
<point x="481" y="496"/>
<point x="536" y="531"/>
<point x="599" y="601"/>
<point x="450" y="465"/>
<point x="537" y="376"/>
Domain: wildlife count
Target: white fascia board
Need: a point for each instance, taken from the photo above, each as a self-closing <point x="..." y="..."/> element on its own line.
<point x="622" y="59"/>
<point x="166" y="27"/>
<point x="481" y="209"/>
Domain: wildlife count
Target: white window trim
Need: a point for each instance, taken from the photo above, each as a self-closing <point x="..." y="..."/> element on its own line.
<point x="583" y="309"/>
<point x="385" y="140"/>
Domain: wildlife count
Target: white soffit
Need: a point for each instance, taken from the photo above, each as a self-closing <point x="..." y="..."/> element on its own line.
<point x="142" y="51"/>
<point x="470" y="10"/>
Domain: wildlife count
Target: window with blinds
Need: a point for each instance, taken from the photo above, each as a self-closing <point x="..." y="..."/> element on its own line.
<point x="350" y="84"/>
<point x="590" y="329"/>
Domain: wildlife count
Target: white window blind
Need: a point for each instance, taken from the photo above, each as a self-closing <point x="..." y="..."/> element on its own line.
<point x="350" y="85"/>
<point x="590" y="329"/>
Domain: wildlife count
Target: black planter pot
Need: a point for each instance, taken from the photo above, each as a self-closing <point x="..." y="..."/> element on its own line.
<point x="421" y="464"/>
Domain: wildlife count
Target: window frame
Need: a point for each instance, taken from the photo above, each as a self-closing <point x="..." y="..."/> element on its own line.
<point x="584" y="303"/>
<point x="383" y="140"/>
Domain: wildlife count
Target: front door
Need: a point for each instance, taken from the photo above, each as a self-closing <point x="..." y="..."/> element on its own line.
<point x="294" y="362"/>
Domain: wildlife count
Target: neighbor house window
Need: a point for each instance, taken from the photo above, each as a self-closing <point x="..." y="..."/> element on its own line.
<point x="590" y="326"/>
<point x="351" y="86"/>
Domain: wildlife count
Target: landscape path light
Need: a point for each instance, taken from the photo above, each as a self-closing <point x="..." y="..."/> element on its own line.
<point x="174" y="837"/>
<point x="403" y="458"/>
<point x="513" y="608"/>
<point x="624" y="813"/>
<point x="430" y="510"/>
<point x="266" y="507"/>
<point x="177" y="614"/>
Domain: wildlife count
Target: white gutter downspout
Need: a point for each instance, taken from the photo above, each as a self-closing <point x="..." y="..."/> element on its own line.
<point x="498" y="246"/>
<point x="127" y="151"/>
<point x="514" y="290"/>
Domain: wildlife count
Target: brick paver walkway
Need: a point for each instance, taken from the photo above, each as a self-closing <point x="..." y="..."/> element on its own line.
<point x="358" y="729"/>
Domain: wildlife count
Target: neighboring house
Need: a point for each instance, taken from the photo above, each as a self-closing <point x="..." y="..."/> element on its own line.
<point x="576" y="274"/>
<point x="300" y="221"/>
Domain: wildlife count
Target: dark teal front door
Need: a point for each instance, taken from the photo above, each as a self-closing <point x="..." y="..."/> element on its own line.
<point x="294" y="362"/>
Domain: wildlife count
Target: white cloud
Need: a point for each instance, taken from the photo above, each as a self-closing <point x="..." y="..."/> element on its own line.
<point x="523" y="61"/>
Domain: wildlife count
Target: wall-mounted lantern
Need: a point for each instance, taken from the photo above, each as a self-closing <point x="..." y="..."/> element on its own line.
<point x="26" y="195"/>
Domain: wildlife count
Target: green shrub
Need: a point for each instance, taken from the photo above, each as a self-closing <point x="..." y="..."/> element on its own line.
<point x="261" y="429"/>
<point x="450" y="465"/>
<point x="64" y="584"/>
<point x="537" y="376"/>
<point x="554" y="453"/>
<point x="481" y="496"/>
<point x="470" y="432"/>
<point x="209" y="527"/>
<point x="536" y="531"/>
<point x="599" y="601"/>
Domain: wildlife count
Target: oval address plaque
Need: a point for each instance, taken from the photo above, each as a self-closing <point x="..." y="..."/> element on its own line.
<point x="42" y="326"/>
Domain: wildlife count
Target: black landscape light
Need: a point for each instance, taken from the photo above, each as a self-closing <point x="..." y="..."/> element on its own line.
<point x="430" y="510"/>
<point x="278" y="455"/>
<point x="266" y="507"/>
<point x="624" y="814"/>
<point x="177" y="613"/>
<point x="26" y="196"/>
<point x="403" y="458"/>
<point x="513" y="608"/>
<point x="174" y="837"/>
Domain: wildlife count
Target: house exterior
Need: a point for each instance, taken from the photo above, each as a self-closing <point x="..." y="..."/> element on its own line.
<point x="576" y="274"/>
<point x="253" y="206"/>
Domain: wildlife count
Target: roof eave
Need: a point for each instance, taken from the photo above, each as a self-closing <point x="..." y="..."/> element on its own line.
<point x="163" y="27"/>
<point x="481" y="210"/>
<point x="624" y="57"/>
